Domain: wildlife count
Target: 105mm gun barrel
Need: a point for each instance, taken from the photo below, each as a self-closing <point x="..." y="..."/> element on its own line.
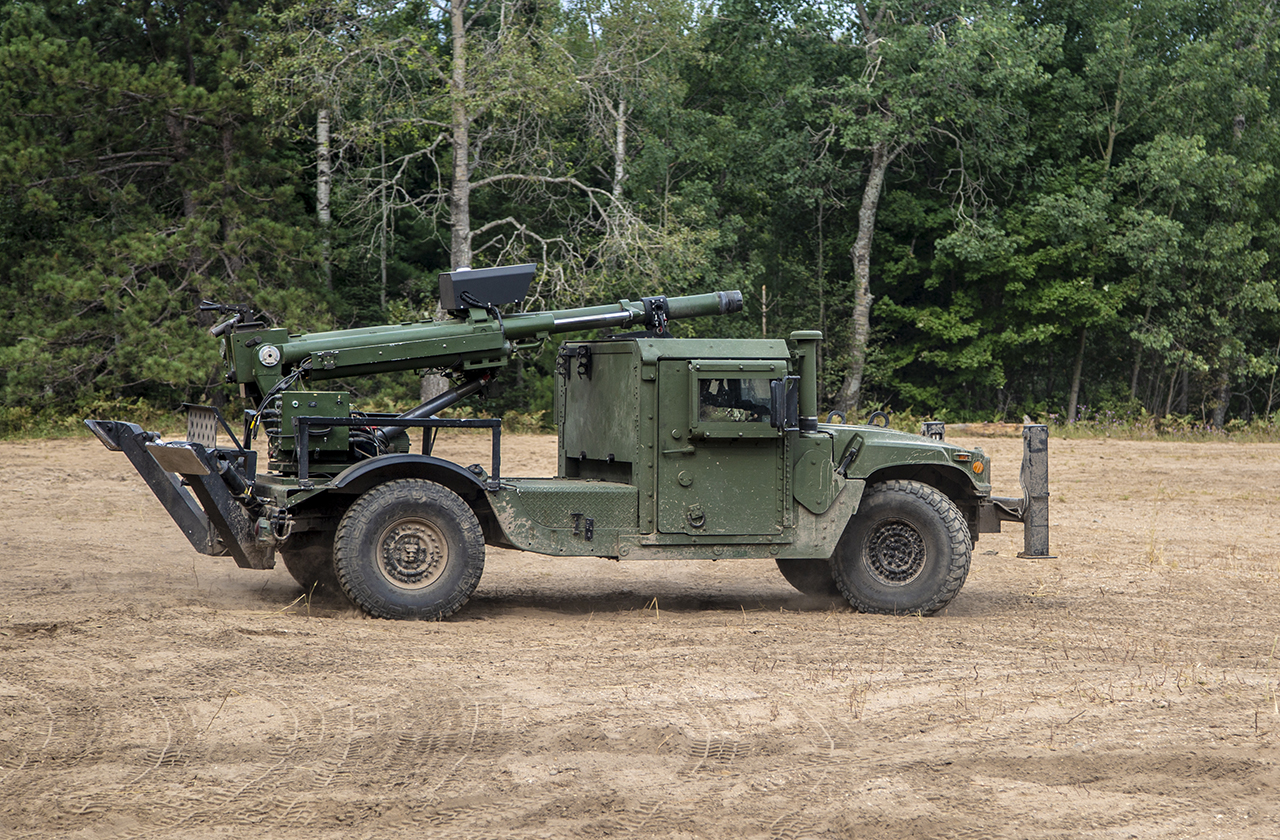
<point x="475" y="338"/>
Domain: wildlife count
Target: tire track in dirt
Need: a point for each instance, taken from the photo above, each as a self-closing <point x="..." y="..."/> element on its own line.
<point x="810" y="762"/>
<point x="446" y="753"/>
<point x="166" y="790"/>
<point x="807" y="767"/>
<point x="810" y="754"/>
<point x="167" y="754"/>
<point x="317" y="761"/>
<point x="313" y="757"/>
<point x="73" y="728"/>
<point x="559" y="708"/>
<point x="122" y="744"/>
<point x="413" y="752"/>
<point x="31" y="726"/>
<point x="149" y="744"/>
<point x="424" y="760"/>
<point x="421" y="753"/>
<point x="792" y="826"/>
<point x="730" y="756"/>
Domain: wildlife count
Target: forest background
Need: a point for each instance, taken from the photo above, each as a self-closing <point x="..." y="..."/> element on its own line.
<point x="1058" y="208"/>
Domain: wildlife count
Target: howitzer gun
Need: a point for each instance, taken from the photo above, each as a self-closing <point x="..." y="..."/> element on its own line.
<point x="275" y="368"/>
<point x="476" y="337"/>
<point x="668" y="448"/>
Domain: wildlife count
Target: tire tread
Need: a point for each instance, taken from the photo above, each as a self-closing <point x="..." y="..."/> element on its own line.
<point x="360" y="517"/>
<point x="960" y="549"/>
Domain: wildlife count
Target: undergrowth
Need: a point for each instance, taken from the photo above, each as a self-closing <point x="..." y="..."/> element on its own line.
<point x="1120" y="425"/>
<point x="1139" y="425"/>
<point x="24" y="423"/>
<point x="20" y="423"/>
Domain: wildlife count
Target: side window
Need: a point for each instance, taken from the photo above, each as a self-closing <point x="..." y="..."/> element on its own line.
<point x="730" y="400"/>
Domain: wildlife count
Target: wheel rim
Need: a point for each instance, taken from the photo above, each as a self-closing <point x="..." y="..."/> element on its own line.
<point x="412" y="553"/>
<point x="895" y="553"/>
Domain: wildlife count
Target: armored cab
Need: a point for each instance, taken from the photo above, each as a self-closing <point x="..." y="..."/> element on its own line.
<point x="683" y="448"/>
<point x="688" y="423"/>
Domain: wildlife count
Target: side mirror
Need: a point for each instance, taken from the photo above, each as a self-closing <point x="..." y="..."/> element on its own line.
<point x="784" y="403"/>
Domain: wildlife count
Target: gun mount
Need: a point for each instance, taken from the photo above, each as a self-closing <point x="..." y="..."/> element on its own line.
<point x="668" y="448"/>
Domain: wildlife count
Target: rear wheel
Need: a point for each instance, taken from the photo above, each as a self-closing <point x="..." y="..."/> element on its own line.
<point x="409" y="549"/>
<point x="810" y="576"/>
<point x="907" y="550"/>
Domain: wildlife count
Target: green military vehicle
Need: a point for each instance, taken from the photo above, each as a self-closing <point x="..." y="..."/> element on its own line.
<point x="668" y="448"/>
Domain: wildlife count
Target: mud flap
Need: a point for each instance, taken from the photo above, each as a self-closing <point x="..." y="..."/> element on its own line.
<point x="187" y="479"/>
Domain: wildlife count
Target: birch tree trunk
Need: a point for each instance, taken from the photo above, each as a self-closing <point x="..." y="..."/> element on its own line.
<point x="882" y="156"/>
<point x="619" y="148"/>
<point x="323" y="187"/>
<point x="460" y="189"/>
<point x="385" y="229"/>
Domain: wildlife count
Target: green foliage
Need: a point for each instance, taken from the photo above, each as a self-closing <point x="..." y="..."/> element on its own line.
<point x="1066" y="169"/>
<point x="134" y="186"/>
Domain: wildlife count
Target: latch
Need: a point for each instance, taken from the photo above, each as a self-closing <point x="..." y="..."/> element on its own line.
<point x="583" y="526"/>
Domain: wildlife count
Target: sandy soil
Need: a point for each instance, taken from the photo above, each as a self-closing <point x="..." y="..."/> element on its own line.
<point x="1127" y="688"/>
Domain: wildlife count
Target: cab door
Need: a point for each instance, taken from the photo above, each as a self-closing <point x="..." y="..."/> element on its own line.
<point x="720" y="462"/>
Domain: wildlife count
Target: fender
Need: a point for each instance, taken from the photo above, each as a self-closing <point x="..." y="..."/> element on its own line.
<point x="360" y="477"/>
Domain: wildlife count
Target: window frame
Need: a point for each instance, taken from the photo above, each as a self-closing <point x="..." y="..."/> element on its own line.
<point x="701" y="370"/>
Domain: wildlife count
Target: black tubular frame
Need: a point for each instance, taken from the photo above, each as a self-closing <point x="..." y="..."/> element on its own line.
<point x="303" y="435"/>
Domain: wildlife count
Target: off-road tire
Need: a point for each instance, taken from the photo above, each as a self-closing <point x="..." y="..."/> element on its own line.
<point x="810" y="576"/>
<point x="409" y="549"/>
<point x="906" y="551"/>
<point x="308" y="556"/>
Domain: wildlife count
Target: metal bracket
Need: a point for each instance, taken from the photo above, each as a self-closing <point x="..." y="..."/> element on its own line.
<point x="1032" y="509"/>
<point x="1035" y="491"/>
<point x="583" y="526"/>
<point x="656" y="314"/>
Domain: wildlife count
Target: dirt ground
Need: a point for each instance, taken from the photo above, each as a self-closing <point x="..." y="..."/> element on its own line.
<point x="1127" y="688"/>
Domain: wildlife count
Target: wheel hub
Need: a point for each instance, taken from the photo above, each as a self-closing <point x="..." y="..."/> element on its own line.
<point x="895" y="553"/>
<point x="412" y="554"/>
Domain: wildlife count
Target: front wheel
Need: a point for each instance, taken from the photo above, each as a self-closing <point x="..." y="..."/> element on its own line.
<point x="906" y="550"/>
<point x="409" y="549"/>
